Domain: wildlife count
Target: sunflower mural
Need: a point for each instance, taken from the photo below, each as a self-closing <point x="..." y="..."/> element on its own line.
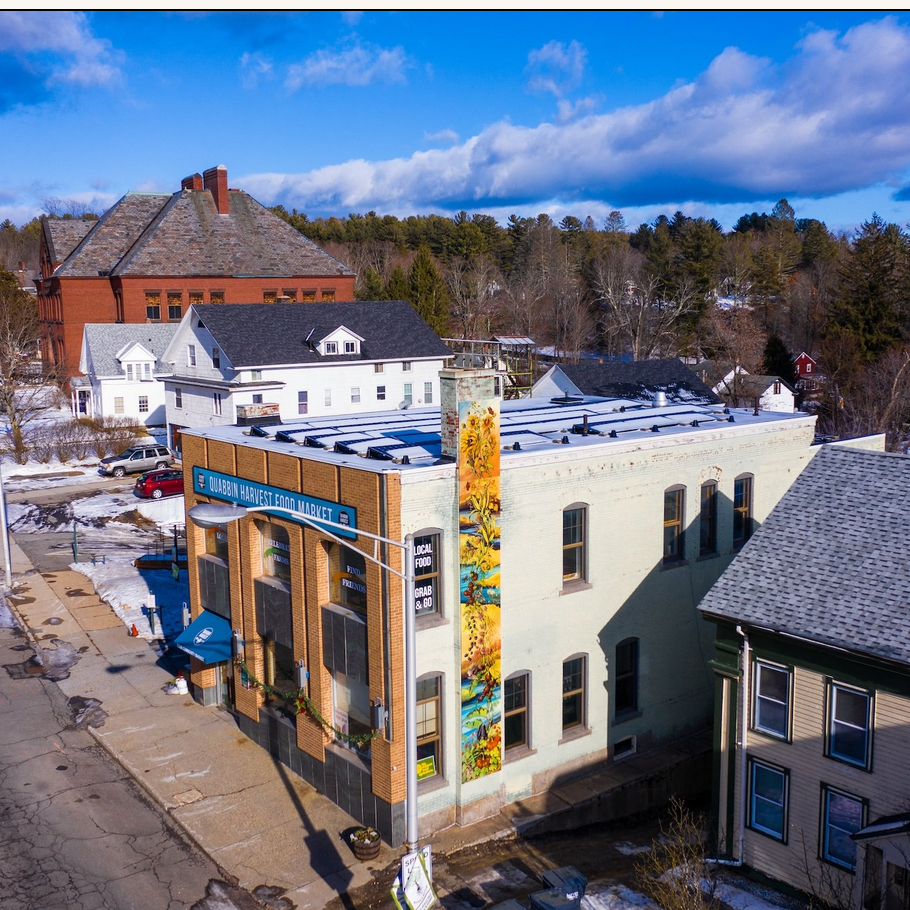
<point x="481" y="646"/>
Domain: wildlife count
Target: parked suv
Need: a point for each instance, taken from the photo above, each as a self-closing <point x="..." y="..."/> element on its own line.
<point x="156" y="484"/>
<point x="136" y="459"/>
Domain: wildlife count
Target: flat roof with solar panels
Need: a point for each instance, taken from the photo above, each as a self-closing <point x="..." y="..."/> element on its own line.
<point x="529" y="427"/>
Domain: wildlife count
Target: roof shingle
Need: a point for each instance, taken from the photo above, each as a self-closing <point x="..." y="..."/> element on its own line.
<point x="265" y="334"/>
<point x="832" y="561"/>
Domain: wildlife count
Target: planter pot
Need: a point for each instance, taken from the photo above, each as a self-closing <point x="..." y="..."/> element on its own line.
<point x="364" y="851"/>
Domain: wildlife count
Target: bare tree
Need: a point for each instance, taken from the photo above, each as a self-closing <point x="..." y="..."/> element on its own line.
<point x="473" y="283"/>
<point x="24" y="390"/>
<point x="56" y="207"/>
<point x="874" y="400"/>
<point x="675" y="873"/>
<point x="636" y="316"/>
<point x="735" y="337"/>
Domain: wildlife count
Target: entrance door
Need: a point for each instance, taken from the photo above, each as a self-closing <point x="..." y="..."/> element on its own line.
<point x="82" y="400"/>
<point x="225" y="684"/>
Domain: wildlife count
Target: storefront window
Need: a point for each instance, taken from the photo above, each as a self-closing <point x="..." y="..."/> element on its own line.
<point x="216" y="542"/>
<point x="348" y="572"/>
<point x="276" y="551"/>
<point x="426" y="572"/>
<point x="351" y="699"/>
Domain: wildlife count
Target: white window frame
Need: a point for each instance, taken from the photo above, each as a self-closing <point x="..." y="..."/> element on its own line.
<point x="827" y="825"/>
<point x="835" y="723"/>
<point x="328" y="398"/>
<point x="216" y="404"/>
<point x="191" y="355"/>
<point x="178" y="397"/>
<point x="350" y="347"/>
<point x="331" y="347"/>
<point x="756" y="799"/>
<point x="303" y="402"/>
<point x="380" y="393"/>
<point x="763" y="668"/>
<point x="143" y="404"/>
<point x="216" y="358"/>
<point x="408" y="394"/>
<point x="355" y="394"/>
<point x="428" y="393"/>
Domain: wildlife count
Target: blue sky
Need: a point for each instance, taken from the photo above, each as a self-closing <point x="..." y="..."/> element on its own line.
<point x="716" y="114"/>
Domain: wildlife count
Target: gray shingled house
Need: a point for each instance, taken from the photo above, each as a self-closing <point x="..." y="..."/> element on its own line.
<point x="122" y="367"/>
<point x="812" y="668"/>
<point x="263" y="363"/>
<point x="637" y="380"/>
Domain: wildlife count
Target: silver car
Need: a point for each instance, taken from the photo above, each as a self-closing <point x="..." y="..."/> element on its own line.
<point x="135" y="460"/>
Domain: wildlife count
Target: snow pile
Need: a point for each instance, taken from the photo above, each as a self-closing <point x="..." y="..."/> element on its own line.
<point x="127" y="590"/>
<point x="7" y="620"/>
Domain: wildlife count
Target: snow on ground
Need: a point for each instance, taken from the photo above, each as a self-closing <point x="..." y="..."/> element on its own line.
<point x="7" y="620"/>
<point x="607" y="896"/>
<point x="127" y="590"/>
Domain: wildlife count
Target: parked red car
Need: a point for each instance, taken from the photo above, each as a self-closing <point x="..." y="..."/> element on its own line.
<point x="156" y="484"/>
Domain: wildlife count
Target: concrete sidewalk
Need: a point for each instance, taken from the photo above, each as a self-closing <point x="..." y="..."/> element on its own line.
<point x="257" y="820"/>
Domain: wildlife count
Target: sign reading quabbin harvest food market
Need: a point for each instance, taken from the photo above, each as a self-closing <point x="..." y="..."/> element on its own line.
<point x="251" y="494"/>
<point x="481" y="645"/>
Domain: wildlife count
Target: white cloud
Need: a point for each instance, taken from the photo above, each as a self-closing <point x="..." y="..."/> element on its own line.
<point x="569" y="110"/>
<point x="834" y="119"/>
<point x="254" y="67"/>
<point x="352" y="17"/>
<point x="60" y="45"/>
<point x="443" y="136"/>
<point x="556" y="67"/>
<point x="356" y="64"/>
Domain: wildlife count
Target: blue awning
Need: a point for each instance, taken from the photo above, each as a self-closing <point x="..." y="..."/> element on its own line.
<point x="207" y="638"/>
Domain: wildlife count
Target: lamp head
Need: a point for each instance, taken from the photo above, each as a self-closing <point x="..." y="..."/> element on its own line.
<point x="215" y="514"/>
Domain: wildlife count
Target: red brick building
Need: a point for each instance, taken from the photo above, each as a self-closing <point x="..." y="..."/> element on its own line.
<point x="152" y="255"/>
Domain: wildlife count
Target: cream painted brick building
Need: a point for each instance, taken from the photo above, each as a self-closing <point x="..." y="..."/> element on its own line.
<point x="657" y="502"/>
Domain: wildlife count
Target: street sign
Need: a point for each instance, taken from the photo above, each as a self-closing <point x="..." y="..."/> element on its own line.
<point x="416" y="892"/>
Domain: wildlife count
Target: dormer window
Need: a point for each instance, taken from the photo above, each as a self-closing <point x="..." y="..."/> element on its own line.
<point x="350" y="347"/>
<point x="331" y="347"/>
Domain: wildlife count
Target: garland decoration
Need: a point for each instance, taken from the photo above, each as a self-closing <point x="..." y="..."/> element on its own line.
<point x="303" y="705"/>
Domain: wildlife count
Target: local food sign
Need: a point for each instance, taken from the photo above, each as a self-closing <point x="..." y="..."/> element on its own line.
<point x="248" y="493"/>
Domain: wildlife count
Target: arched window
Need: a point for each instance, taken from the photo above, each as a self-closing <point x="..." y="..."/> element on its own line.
<point x="516" y="710"/>
<point x="707" y="519"/>
<point x="625" y="677"/>
<point x="742" y="509"/>
<point x="427" y="590"/>
<point x="574" y="543"/>
<point x="674" y="525"/>
<point x="574" y="693"/>
<point x="429" y="726"/>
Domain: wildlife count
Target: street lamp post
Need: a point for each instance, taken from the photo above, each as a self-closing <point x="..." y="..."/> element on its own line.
<point x="4" y="533"/>
<point x="212" y="515"/>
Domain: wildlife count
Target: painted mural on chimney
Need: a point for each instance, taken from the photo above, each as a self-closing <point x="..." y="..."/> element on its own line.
<point x="479" y="532"/>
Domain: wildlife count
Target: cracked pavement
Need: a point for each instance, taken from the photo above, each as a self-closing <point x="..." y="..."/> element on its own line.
<point x="77" y="832"/>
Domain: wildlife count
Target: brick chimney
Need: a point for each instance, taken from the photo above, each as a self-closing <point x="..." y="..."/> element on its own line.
<point x="193" y="182"/>
<point x="215" y="179"/>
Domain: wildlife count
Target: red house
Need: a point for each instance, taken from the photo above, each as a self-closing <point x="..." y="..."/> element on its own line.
<point x="807" y="374"/>
<point x="152" y="255"/>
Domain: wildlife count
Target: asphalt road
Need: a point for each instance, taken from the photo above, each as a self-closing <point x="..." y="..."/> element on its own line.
<point x="76" y="831"/>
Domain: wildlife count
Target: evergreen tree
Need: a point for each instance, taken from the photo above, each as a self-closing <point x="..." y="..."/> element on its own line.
<point x="867" y="305"/>
<point x="370" y="285"/>
<point x="777" y="361"/>
<point x="397" y="287"/>
<point x="428" y="292"/>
